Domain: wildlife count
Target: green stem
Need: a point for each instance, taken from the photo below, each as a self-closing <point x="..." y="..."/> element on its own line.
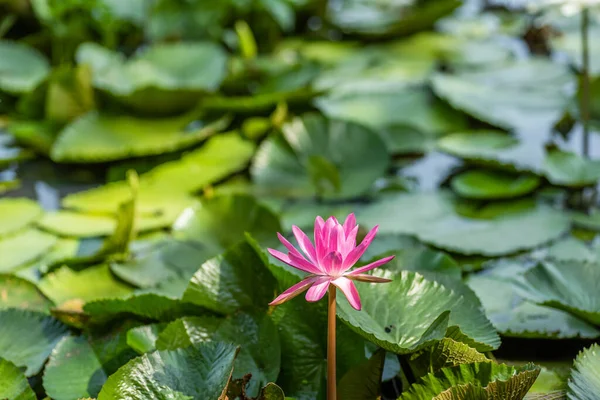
<point x="585" y="81"/>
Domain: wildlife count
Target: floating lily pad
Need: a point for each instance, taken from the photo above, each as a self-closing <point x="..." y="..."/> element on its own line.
<point x="432" y="218"/>
<point x="490" y="185"/>
<point x="96" y="137"/>
<point x="523" y="95"/>
<point x="28" y="338"/>
<point x="165" y="78"/>
<point x="430" y="303"/>
<point x="317" y="156"/>
<point x="221" y="222"/>
<point x="17" y="213"/>
<point x="388" y="18"/>
<point x="69" y="94"/>
<point x="194" y="372"/>
<point x="569" y="169"/>
<point x="73" y="370"/>
<point x="170" y="182"/>
<point x="583" y="384"/>
<point x="260" y="351"/>
<point x="20" y="293"/>
<point x="24" y="247"/>
<point x="14" y="384"/>
<point x="72" y="224"/>
<point x="475" y="381"/>
<point x="378" y="109"/>
<point x="87" y="285"/>
<point x="22" y="67"/>
<point x="143" y="338"/>
<point x="567" y="286"/>
<point x="514" y="316"/>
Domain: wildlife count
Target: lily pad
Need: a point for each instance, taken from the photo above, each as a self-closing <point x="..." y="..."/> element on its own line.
<point x="73" y="224"/>
<point x="73" y="370"/>
<point x="490" y="185"/>
<point x="20" y="293"/>
<point x="317" y="156"/>
<point x="96" y="137"/>
<point x="170" y="182"/>
<point x="432" y="218"/>
<point x="514" y="316"/>
<point x="260" y="351"/>
<point x="194" y="372"/>
<point x="584" y="384"/>
<point x="166" y="78"/>
<point x="239" y="279"/>
<point x="17" y="213"/>
<point x="522" y="95"/>
<point x="14" y="385"/>
<point x="221" y="222"/>
<point x="429" y="304"/>
<point x="567" y="286"/>
<point x="378" y="109"/>
<point x="475" y="381"/>
<point x="24" y="247"/>
<point x="28" y="338"/>
<point x="143" y="338"/>
<point x="90" y="284"/>
<point x="23" y="67"/>
<point x="569" y="169"/>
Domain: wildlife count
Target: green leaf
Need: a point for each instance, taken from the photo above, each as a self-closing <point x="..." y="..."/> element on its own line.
<point x="444" y="354"/>
<point x="165" y="78"/>
<point x="69" y="94"/>
<point x="17" y="213"/>
<point x="237" y="279"/>
<point x="584" y="383"/>
<point x="90" y="284"/>
<point x="432" y="218"/>
<point x="237" y="390"/>
<point x="417" y="317"/>
<point x="23" y="67"/>
<point x="197" y="372"/>
<point x="283" y="164"/>
<point x="567" y="286"/>
<point x="490" y="185"/>
<point x="220" y="156"/>
<point x="569" y="169"/>
<point x="24" y="247"/>
<point x="378" y="109"/>
<point x="221" y="222"/>
<point x="20" y="293"/>
<point x="14" y="385"/>
<point x="485" y="380"/>
<point x="73" y="371"/>
<point x="96" y="137"/>
<point x="143" y="338"/>
<point x="525" y="94"/>
<point x="514" y="316"/>
<point x="364" y="381"/>
<point x="74" y="224"/>
<point x="28" y="338"/>
<point x="260" y="351"/>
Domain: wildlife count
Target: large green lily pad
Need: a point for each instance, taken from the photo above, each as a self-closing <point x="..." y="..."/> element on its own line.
<point x="24" y="247"/>
<point x="96" y="137"/>
<point x="14" y="385"/>
<point x="584" y="384"/>
<point x="432" y="218"/>
<point x="193" y="372"/>
<point x="417" y="317"/>
<point x="22" y="67"/>
<point x="163" y="79"/>
<point x="17" y="213"/>
<point x="28" y="338"/>
<point x="315" y="155"/>
<point x="528" y="94"/>
<point x="19" y="293"/>
<point x="170" y="182"/>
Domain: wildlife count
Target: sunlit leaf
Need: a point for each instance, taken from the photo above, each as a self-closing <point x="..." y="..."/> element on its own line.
<point x="489" y="185"/>
<point x="584" y="383"/>
<point x="17" y="213"/>
<point x="22" y="67"/>
<point x="14" y="385"/>
<point x="19" y="293"/>
<point x="24" y="247"/>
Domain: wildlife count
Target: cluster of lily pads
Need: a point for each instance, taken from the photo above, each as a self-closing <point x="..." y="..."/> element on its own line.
<point x="182" y="137"/>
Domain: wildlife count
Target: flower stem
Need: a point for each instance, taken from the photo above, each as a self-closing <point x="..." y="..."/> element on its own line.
<point x="585" y="80"/>
<point x="331" y="319"/>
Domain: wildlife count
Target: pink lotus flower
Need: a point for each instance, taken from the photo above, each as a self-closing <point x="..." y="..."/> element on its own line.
<point x="329" y="260"/>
